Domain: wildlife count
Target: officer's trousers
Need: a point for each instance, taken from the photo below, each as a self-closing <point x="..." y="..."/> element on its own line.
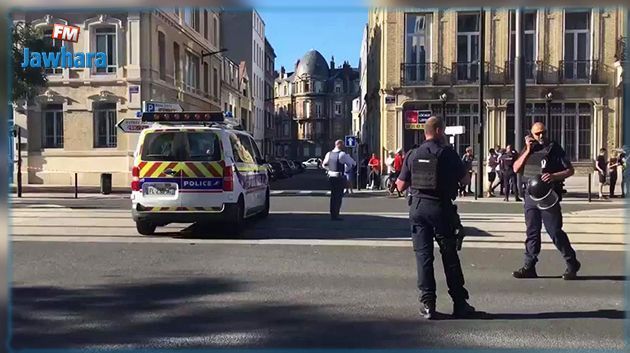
<point x="337" y="184"/>
<point x="552" y="219"/>
<point x="436" y="219"/>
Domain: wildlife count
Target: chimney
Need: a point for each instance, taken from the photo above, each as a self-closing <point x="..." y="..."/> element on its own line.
<point x="282" y="72"/>
<point x="332" y="62"/>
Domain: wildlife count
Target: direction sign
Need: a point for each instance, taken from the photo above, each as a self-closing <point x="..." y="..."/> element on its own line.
<point x="132" y="125"/>
<point x="455" y="130"/>
<point x="350" y="141"/>
<point x="161" y="107"/>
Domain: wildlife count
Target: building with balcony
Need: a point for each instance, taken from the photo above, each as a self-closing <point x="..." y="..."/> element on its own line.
<point x="151" y="55"/>
<point x="313" y="106"/>
<point x="243" y="33"/>
<point x="416" y="57"/>
<point x="270" y="77"/>
<point x="234" y="96"/>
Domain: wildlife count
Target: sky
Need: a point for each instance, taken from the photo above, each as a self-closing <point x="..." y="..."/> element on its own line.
<point x="332" y="28"/>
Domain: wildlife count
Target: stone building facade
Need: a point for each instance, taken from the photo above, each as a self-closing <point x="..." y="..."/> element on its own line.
<point x="151" y="55"/>
<point x="571" y="64"/>
<point x="313" y="106"/>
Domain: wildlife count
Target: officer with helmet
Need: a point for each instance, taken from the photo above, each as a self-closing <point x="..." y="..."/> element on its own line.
<point x="432" y="172"/>
<point x="545" y="166"/>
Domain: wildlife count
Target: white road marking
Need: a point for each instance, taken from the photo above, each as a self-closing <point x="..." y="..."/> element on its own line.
<point x="600" y="232"/>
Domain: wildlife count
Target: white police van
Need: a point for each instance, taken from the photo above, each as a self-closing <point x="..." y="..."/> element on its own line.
<point x="194" y="167"/>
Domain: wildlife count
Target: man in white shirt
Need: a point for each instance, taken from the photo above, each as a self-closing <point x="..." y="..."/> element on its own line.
<point x="335" y="163"/>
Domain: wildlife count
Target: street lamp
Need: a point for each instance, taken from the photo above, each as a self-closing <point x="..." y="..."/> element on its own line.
<point x="548" y="98"/>
<point x="444" y="98"/>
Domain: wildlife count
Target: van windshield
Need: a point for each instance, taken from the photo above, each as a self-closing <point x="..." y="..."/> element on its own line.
<point x="181" y="146"/>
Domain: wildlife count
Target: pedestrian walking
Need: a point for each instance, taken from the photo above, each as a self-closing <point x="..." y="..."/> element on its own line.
<point x="350" y="173"/>
<point x="509" y="176"/>
<point x="335" y="163"/>
<point x="613" y="163"/>
<point x="624" y="171"/>
<point x="545" y="161"/>
<point x="491" y="164"/>
<point x="601" y="167"/>
<point x="432" y="172"/>
<point x="499" y="151"/>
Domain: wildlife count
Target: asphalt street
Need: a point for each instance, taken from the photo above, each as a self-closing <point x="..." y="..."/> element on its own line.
<point x="84" y="278"/>
<point x="314" y="180"/>
<point x="86" y="295"/>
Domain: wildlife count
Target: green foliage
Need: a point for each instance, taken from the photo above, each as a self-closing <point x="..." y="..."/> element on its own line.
<point x="27" y="82"/>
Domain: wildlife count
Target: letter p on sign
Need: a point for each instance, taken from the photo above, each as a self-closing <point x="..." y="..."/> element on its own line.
<point x="66" y="33"/>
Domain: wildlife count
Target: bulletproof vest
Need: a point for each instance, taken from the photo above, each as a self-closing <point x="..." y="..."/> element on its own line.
<point x="334" y="164"/>
<point x="508" y="162"/>
<point x="535" y="163"/>
<point x="424" y="169"/>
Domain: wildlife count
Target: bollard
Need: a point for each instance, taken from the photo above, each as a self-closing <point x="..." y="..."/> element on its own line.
<point x="476" y="186"/>
<point x="76" y="186"/>
<point x="590" y="183"/>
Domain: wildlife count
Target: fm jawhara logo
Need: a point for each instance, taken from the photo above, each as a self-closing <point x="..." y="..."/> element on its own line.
<point x="64" y="58"/>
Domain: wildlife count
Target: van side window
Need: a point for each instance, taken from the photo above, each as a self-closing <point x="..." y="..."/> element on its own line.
<point x="255" y="150"/>
<point x="240" y="150"/>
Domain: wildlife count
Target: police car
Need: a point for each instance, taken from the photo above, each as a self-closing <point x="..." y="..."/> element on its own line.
<point x="194" y="167"/>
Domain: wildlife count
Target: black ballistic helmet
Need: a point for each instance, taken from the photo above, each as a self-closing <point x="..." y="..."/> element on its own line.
<point x="542" y="193"/>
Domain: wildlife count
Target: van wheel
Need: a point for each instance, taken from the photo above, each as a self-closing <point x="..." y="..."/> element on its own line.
<point x="265" y="212"/>
<point x="145" y="228"/>
<point x="237" y="225"/>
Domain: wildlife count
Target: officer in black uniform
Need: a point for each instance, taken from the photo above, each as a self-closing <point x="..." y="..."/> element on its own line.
<point x="506" y="162"/>
<point x="547" y="158"/>
<point x="433" y="171"/>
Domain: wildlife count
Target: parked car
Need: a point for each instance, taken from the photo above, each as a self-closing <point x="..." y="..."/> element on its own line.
<point x="300" y="166"/>
<point x="286" y="167"/>
<point x="270" y="174"/>
<point x="313" y="163"/>
<point x="294" y="168"/>
<point x="278" y="170"/>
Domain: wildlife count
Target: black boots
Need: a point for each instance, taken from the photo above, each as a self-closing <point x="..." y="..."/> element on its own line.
<point x="525" y="272"/>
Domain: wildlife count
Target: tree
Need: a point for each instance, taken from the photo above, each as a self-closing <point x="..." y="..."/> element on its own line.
<point x="27" y="82"/>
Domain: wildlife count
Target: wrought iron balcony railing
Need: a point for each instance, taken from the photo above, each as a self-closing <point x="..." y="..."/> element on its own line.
<point x="468" y="72"/>
<point x="586" y="71"/>
<point x="418" y="74"/>
<point x="533" y="71"/>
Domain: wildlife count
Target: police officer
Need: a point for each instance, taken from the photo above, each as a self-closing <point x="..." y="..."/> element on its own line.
<point x="544" y="160"/>
<point x="433" y="171"/>
<point x="335" y="163"/>
<point x="506" y="163"/>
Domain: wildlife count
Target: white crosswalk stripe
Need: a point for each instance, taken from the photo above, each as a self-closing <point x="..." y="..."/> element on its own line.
<point x="588" y="230"/>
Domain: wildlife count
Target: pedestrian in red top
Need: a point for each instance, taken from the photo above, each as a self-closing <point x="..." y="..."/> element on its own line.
<point x="375" y="165"/>
<point x="398" y="163"/>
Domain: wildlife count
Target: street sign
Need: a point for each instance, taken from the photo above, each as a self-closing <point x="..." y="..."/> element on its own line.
<point x="454" y="130"/>
<point x="132" y="125"/>
<point x="351" y="141"/>
<point x="161" y="107"/>
<point x="415" y="119"/>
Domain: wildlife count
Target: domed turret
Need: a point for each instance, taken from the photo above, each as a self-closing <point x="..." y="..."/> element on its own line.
<point x="313" y="64"/>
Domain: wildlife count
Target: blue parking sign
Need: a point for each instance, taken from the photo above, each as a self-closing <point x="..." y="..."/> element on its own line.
<point x="351" y="141"/>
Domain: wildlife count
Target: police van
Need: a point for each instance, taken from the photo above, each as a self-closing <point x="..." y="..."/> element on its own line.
<point x="195" y="167"/>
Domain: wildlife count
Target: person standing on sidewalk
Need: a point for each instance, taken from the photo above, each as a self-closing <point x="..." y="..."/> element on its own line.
<point x="612" y="172"/>
<point x="545" y="159"/>
<point x="509" y="176"/>
<point x="600" y="166"/>
<point x="492" y="175"/>
<point x="335" y="163"/>
<point x="433" y="171"/>
<point x="468" y="159"/>
<point x="375" y="172"/>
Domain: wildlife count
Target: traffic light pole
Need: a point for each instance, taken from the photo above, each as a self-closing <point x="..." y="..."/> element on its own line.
<point x="479" y="179"/>
<point x="519" y="90"/>
<point x="19" y="161"/>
